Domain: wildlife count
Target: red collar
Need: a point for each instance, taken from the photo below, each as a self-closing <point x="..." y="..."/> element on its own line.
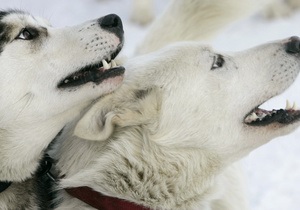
<point x="102" y="202"/>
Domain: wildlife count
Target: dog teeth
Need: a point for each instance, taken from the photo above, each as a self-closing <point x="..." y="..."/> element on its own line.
<point x="252" y="117"/>
<point x="260" y="114"/>
<point x="294" y="106"/>
<point x="289" y="106"/>
<point x="66" y="81"/>
<point x="113" y="64"/>
<point x="106" y="65"/>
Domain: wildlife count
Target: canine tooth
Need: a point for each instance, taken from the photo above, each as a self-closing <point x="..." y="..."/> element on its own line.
<point x="113" y="64"/>
<point x="288" y="105"/>
<point x="250" y="118"/>
<point x="66" y="81"/>
<point x="105" y="64"/>
<point x="294" y="106"/>
<point x="254" y="115"/>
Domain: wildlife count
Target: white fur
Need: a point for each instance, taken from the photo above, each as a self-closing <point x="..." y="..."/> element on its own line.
<point x="171" y="136"/>
<point x="185" y="20"/>
<point x="178" y="128"/>
<point x="32" y="109"/>
<point x="142" y="11"/>
<point x="191" y="20"/>
<point x="281" y="8"/>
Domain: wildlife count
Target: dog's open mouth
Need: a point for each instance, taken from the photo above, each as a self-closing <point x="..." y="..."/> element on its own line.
<point x="261" y="117"/>
<point x="95" y="73"/>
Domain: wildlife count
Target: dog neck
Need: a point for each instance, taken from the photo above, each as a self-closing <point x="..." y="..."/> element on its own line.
<point x="100" y="201"/>
<point x="149" y="175"/>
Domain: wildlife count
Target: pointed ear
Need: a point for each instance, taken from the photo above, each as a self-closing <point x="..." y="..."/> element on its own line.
<point x="95" y="125"/>
<point x="99" y="122"/>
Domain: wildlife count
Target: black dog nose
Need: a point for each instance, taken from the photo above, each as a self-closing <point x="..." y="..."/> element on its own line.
<point x="112" y="23"/>
<point x="293" y="45"/>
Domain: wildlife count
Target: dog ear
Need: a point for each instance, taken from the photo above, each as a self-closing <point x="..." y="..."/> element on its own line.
<point x="99" y="122"/>
<point x="95" y="125"/>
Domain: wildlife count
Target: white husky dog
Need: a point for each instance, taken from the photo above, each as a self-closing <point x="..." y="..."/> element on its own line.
<point x="48" y="76"/>
<point x="169" y="137"/>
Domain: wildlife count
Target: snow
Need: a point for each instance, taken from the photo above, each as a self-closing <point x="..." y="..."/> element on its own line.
<point x="273" y="170"/>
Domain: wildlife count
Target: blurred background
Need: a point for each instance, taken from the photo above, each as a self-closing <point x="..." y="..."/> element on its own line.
<point x="273" y="171"/>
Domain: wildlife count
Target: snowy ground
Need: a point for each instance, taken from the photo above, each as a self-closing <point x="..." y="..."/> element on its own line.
<point x="273" y="170"/>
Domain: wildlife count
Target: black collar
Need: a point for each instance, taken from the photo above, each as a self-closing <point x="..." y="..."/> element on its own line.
<point x="43" y="170"/>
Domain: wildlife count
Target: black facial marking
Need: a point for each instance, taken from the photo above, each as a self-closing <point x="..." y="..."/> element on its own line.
<point x="5" y="29"/>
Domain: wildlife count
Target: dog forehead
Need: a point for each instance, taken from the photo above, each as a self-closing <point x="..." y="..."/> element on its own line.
<point x="188" y="48"/>
<point x="15" y="18"/>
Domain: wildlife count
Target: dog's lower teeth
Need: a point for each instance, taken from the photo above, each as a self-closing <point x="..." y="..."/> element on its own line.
<point x="113" y="64"/>
<point x="250" y="118"/>
<point x="262" y="115"/>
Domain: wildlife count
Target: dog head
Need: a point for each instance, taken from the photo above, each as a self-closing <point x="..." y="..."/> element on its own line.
<point x="48" y="71"/>
<point x="47" y="76"/>
<point x="188" y="96"/>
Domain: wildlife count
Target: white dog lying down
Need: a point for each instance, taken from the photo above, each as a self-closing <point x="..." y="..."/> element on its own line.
<point x="194" y="20"/>
<point x="48" y="76"/>
<point x="143" y="10"/>
<point x="169" y="137"/>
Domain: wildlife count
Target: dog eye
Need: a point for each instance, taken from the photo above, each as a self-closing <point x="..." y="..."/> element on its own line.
<point x="27" y="34"/>
<point x="218" y="62"/>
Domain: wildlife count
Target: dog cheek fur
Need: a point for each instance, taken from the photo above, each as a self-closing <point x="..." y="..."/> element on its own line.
<point x="154" y="175"/>
<point x="135" y="166"/>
